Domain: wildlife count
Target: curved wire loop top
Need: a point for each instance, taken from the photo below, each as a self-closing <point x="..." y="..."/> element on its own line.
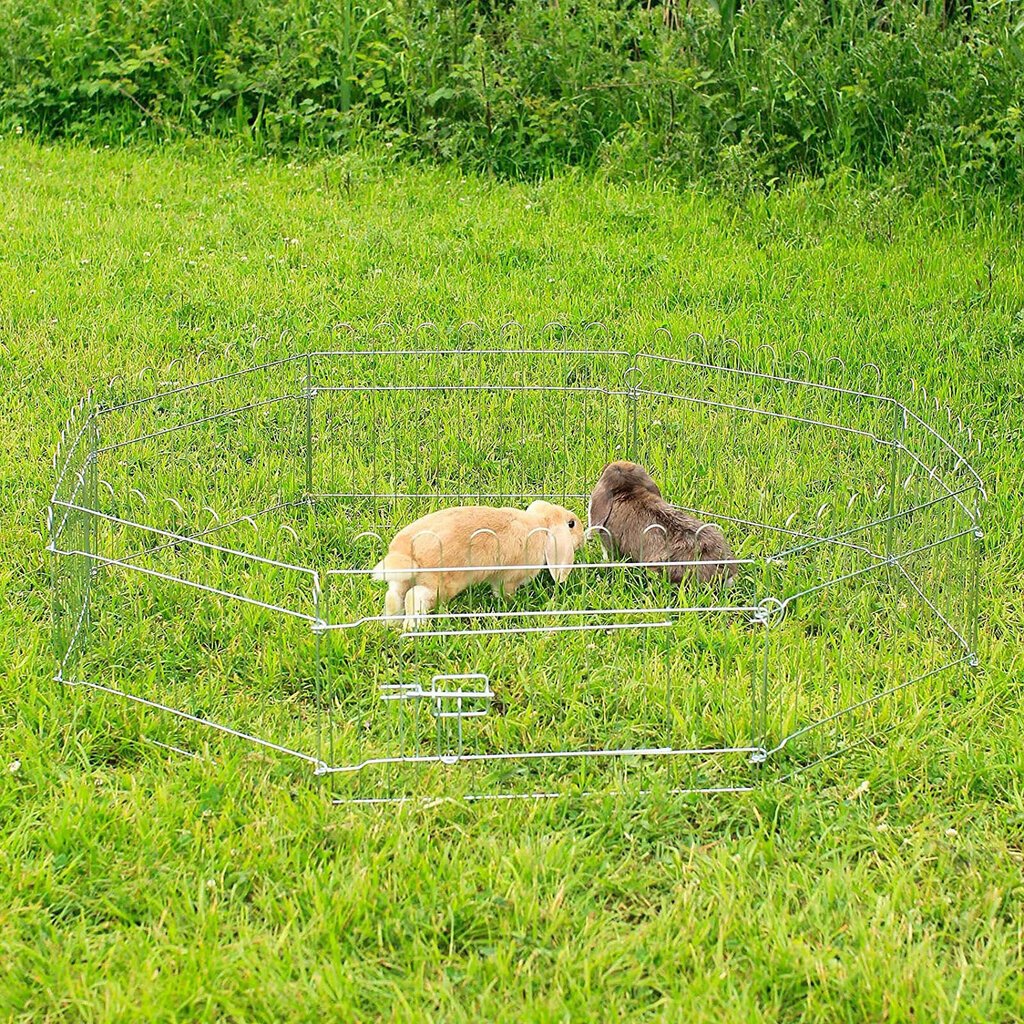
<point x="773" y="365"/>
<point x="649" y="531"/>
<point x="807" y="364"/>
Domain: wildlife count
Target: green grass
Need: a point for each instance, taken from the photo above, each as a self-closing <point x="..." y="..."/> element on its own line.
<point x="884" y="885"/>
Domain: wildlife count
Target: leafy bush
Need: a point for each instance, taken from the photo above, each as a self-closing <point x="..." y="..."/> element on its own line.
<point x="742" y="94"/>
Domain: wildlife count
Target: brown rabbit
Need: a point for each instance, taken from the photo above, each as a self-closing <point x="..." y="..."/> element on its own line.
<point x="632" y="519"/>
<point x="441" y="554"/>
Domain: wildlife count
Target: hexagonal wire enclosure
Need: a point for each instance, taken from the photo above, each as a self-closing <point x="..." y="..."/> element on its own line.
<point x="214" y="544"/>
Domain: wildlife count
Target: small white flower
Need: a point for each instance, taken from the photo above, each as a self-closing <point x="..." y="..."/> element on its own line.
<point x="85" y="259"/>
<point x="882" y="827"/>
<point x="951" y="832"/>
<point x="14" y="767"/>
<point x="147" y="254"/>
<point x="18" y="130"/>
<point x="211" y="884"/>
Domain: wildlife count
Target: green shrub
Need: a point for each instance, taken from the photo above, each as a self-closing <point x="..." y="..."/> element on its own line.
<point x="777" y="88"/>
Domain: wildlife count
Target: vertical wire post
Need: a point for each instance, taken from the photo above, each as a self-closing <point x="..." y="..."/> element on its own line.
<point x="318" y="676"/>
<point x="634" y="373"/>
<point x="309" y="425"/>
<point x="977" y="541"/>
<point x="765" y="669"/>
<point x="91" y="567"/>
<point x="54" y="584"/>
<point x="894" y="469"/>
<point x="325" y="615"/>
<point x="669" y="738"/>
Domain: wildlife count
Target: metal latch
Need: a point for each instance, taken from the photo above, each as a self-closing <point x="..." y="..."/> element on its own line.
<point x="446" y="701"/>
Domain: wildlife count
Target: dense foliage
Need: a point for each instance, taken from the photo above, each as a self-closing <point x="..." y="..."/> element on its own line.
<point x="742" y="93"/>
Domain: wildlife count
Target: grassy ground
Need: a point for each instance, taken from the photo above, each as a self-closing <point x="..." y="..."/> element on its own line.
<point x="883" y="886"/>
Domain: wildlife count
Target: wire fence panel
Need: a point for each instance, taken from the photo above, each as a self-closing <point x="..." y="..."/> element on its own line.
<point x="217" y="546"/>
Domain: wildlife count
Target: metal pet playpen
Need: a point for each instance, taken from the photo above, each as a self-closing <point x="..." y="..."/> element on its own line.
<point x="213" y="545"/>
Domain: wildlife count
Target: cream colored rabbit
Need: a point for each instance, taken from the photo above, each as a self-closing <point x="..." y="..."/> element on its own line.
<point x="441" y="554"/>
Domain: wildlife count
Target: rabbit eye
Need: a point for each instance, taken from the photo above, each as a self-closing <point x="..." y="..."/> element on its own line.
<point x="572" y="524"/>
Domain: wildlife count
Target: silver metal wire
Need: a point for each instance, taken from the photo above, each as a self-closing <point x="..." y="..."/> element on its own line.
<point x="856" y="564"/>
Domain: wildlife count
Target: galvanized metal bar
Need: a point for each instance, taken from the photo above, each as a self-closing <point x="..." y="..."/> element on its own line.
<point x="309" y="425"/>
<point x="547" y="755"/>
<point x="170" y="578"/>
<point x="263" y="403"/>
<point x="786" y="740"/>
<point x="181" y="538"/>
<point x="320" y="766"/>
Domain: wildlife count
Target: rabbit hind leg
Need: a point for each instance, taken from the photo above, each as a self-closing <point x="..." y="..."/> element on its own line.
<point x="419" y="602"/>
<point x="394" y="603"/>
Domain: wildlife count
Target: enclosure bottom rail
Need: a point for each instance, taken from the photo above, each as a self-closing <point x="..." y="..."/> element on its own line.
<point x="319" y="765"/>
<point x="585" y="794"/>
<point x="537" y="755"/>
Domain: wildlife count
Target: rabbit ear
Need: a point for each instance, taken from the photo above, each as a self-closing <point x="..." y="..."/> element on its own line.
<point x="600" y="507"/>
<point x="559" y="551"/>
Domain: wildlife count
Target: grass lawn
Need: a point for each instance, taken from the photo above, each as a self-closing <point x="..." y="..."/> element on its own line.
<point x="883" y="885"/>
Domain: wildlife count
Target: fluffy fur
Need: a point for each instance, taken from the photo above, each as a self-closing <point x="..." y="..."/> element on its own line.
<point x="634" y="521"/>
<point x="505" y="547"/>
